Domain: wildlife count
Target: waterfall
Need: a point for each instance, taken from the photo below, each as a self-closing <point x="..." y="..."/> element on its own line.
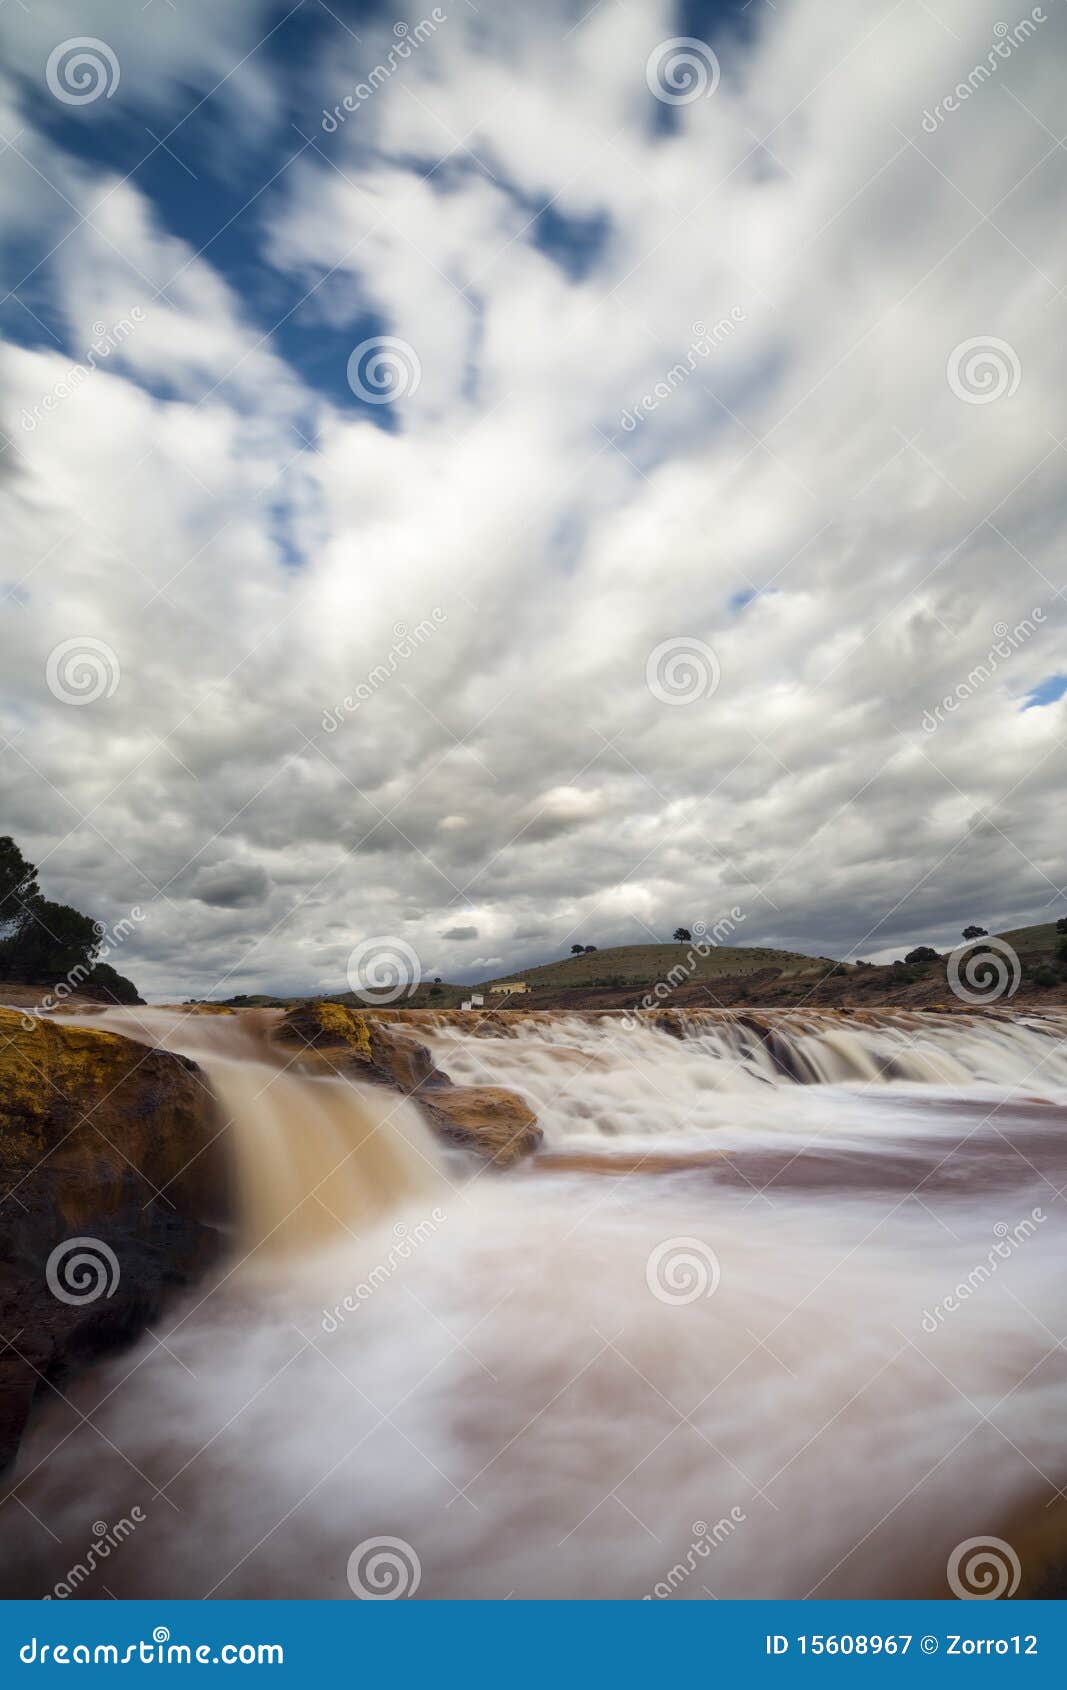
<point x="318" y="1158"/>
<point x="315" y="1157"/>
<point x="682" y="1073"/>
<point x="800" y="1340"/>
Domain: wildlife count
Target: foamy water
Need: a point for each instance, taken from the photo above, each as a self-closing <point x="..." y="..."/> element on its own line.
<point x="737" y="1377"/>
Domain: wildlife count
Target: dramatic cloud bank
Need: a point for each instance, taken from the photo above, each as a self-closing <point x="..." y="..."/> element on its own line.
<point x="695" y="539"/>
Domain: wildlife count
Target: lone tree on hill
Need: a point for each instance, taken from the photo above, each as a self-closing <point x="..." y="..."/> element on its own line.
<point x="576" y="950"/>
<point x="587" y="948"/>
<point x="683" y="935"/>
<point x="976" y="932"/>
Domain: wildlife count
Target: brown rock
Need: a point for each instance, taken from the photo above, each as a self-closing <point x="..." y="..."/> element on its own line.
<point x="380" y="1047"/>
<point x="100" y="1140"/>
<point x="489" y="1119"/>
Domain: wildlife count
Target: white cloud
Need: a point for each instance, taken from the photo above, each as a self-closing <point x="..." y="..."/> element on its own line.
<point x="813" y="500"/>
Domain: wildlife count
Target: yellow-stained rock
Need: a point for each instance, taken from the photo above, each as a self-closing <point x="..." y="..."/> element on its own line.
<point x="104" y="1140"/>
<point x="322" y="1025"/>
<point x="490" y="1119"/>
<point x="381" y="1046"/>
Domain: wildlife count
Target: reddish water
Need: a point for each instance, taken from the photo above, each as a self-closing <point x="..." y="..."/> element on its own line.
<point x="729" y="1336"/>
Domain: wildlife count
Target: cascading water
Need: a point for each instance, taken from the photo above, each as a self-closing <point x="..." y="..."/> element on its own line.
<point x="316" y="1157"/>
<point x="814" y="1363"/>
<point x="593" y="1077"/>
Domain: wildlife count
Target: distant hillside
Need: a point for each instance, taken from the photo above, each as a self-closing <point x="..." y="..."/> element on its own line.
<point x="643" y="965"/>
<point x="1033" y="944"/>
<point x="619" y="975"/>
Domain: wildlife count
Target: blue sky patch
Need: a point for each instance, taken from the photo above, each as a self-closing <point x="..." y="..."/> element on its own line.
<point x="1046" y="692"/>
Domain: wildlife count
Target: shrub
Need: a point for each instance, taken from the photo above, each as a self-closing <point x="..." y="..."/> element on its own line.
<point x="921" y="954"/>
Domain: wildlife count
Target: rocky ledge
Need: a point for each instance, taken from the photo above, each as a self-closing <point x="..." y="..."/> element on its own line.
<point x="110" y="1196"/>
<point x="377" y="1047"/>
<point x="114" y="1192"/>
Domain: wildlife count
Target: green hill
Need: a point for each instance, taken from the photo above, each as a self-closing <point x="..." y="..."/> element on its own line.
<point x="621" y="968"/>
<point x="1033" y="944"/>
<point x="643" y="965"/>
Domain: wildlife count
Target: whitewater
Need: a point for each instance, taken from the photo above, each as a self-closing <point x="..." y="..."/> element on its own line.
<point x="777" y="1310"/>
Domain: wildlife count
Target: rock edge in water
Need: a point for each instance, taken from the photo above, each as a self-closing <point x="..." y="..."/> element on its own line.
<point x="103" y="1143"/>
<point x="371" y="1045"/>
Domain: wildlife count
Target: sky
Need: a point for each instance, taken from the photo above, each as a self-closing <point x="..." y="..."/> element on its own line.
<point x="488" y="477"/>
